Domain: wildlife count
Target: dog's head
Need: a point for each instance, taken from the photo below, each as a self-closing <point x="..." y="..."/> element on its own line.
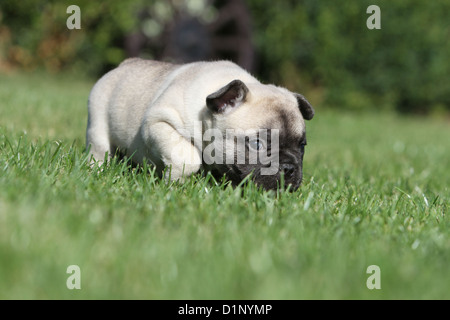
<point x="262" y="132"/>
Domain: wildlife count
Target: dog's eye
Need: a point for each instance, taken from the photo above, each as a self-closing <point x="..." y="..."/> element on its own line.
<point x="302" y="146"/>
<point x="256" y="144"/>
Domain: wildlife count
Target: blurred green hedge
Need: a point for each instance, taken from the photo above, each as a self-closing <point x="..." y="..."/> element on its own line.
<point x="404" y="65"/>
<point x="318" y="46"/>
<point x="33" y="33"/>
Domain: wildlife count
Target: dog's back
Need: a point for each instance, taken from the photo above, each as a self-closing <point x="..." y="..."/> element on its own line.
<point x="119" y="99"/>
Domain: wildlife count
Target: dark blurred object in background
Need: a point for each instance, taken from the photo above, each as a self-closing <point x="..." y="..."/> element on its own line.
<point x="183" y="32"/>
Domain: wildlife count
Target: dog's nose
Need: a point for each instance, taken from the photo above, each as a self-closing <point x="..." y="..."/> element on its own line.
<point x="288" y="169"/>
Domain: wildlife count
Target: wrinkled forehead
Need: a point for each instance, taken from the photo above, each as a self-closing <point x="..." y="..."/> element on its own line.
<point x="290" y="124"/>
<point x="268" y="107"/>
<point x="281" y="111"/>
<point x="287" y="124"/>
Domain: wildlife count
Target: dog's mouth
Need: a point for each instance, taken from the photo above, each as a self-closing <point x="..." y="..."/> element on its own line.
<point x="288" y="176"/>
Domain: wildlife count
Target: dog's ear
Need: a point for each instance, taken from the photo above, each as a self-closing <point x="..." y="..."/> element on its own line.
<point x="230" y="96"/>
<point x="305" y="107"/>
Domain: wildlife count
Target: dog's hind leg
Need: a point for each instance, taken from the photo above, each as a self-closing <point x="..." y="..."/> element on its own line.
<point x="98" y="142"/>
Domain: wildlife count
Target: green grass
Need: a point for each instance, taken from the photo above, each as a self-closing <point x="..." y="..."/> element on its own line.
<point x="376" y="192"/>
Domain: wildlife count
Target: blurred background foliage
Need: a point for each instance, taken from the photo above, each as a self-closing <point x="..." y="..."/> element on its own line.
<point x="321" y="48"/>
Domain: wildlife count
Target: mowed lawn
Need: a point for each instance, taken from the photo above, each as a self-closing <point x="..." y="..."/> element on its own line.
<point x="375" y="192"/>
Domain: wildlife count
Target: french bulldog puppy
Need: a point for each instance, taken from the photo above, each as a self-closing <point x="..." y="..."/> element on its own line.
<point x="210" y="115"/>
